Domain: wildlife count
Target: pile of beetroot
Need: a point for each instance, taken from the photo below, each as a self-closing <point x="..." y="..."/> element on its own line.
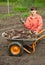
<point x="18" y="34"/>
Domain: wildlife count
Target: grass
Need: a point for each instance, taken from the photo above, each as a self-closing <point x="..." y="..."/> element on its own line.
<point x="39" y="5"/>
<point x="24" y="10"/>
<point x="5" y="15"/>
<point x="42" y="12"/>
<point x="22" y="14"/>
<point x="20" y="9"/>
<point x="3" y="3"/>
<point x="6" y="3"/>
<point x="25" y="14"/>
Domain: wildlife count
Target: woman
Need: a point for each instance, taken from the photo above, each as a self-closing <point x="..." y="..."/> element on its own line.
<point x="34" y="21"/>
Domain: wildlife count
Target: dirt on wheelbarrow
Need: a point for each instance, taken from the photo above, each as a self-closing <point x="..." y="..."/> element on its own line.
<point x="37" y="58"/>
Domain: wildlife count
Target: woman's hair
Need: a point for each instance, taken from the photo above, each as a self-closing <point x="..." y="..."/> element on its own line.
<point x="33" y="8"/>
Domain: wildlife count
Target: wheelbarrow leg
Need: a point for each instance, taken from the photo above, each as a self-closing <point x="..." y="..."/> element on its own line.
<point x="34" y="43"/>
<point x="34" y="46"/>
<point x="26" y="50"/>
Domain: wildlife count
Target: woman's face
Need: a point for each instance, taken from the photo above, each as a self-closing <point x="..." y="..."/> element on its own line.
<point x="33" y="12"/>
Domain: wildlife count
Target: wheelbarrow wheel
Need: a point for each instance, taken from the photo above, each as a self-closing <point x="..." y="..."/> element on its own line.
<point x="15" y="49"/>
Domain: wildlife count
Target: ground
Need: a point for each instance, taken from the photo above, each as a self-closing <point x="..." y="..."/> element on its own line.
<point x="37" y="58"/>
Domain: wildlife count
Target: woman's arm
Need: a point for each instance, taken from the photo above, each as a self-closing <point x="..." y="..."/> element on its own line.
<point x="40" y="24"/>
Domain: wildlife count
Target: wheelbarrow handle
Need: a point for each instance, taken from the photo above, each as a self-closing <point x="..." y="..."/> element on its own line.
<point x="42" y="36"/>
<point x="42" y="31"/>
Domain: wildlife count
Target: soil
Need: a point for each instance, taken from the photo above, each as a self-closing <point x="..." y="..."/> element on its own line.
<point x="4" y="9"/>
<point x="37" y="58"/>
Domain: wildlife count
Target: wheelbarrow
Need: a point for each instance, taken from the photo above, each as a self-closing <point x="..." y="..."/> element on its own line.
<point x="16" y="47"/>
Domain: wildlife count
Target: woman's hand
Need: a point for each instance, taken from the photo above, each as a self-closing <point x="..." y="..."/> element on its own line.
<point x="36" y="32"/>
<point x="22" y="21"/>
